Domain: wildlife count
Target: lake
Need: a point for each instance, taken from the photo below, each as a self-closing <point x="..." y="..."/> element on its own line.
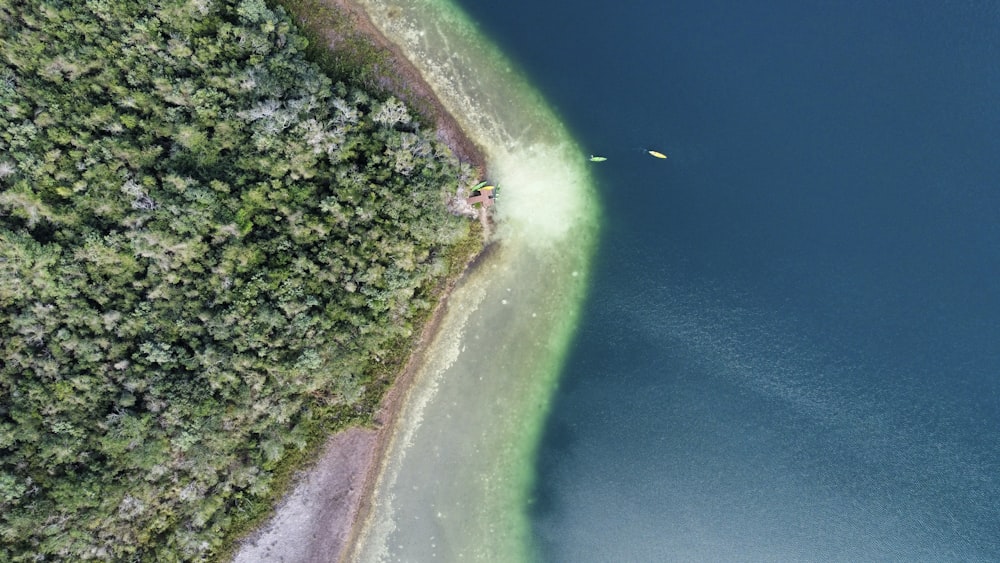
<point x="787" y="347"/>
<point x="791" y="345"/>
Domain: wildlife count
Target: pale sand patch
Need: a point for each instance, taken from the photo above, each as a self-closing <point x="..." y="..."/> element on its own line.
<point x="311" y="524"/>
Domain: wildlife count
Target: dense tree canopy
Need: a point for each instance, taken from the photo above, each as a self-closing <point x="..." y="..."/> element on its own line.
<point x="205" y="246"/>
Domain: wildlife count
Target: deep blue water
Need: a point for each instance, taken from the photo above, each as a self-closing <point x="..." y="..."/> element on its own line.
<point x="791" y="349"/>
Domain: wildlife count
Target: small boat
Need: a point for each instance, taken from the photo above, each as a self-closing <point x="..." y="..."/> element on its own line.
<point x="657" y="154"/>
<point x="594" y="158"/>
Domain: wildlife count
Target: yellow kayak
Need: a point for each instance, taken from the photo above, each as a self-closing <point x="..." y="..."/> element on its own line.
<point x="657" y="154"/>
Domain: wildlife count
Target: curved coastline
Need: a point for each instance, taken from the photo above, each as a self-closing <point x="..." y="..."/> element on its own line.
<point x="513" y="136"/>
<point x="457" y="473"/>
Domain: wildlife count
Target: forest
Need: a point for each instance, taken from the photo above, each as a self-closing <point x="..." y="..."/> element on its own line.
<point x="212" y="251"/>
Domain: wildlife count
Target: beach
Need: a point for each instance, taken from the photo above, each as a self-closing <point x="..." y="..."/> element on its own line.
<point x="315" y="522"/>
<point x="452" y="469"/>
<point x="406" y="82"/>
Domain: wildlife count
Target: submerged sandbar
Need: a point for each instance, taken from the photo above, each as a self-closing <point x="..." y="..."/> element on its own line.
<point x="451" y="470"/>
<point x="458" y="468"/>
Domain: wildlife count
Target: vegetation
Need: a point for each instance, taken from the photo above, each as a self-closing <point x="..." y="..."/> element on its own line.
<point x="355" y="58"/>
<point x="209" y="251"/>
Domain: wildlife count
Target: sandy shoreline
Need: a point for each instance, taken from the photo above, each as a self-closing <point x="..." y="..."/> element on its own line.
<point x="319" y="520"/>
<point x="406" y="81"/>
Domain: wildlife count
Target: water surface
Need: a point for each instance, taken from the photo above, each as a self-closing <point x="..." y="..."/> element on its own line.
<point x="790" y="351"/>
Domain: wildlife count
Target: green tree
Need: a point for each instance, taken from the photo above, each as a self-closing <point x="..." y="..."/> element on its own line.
<point x="208" y="247"/>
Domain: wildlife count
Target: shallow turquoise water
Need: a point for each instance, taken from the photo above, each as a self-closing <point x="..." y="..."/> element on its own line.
<point x="459" y="472"/>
